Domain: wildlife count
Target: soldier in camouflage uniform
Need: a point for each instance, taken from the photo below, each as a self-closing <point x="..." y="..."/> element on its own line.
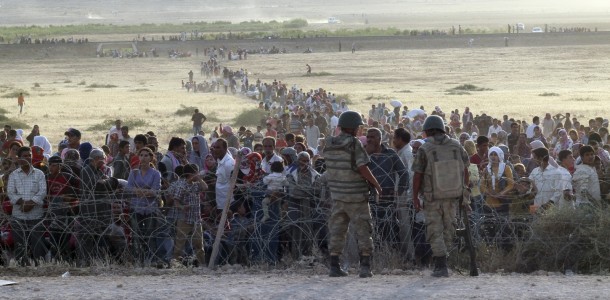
<point x="348" y="178"/>
<point x="440" y="172"/>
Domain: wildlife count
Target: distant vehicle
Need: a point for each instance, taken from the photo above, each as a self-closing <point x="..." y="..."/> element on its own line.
<point x="333" y="20"/>
<point x="520" y="26"/>
<point x="537" y="30"/>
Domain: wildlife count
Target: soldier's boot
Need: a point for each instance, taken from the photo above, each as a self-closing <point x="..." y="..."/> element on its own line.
<point x="335" y="267"/>
<point x="440" y="267"/>
<point x="365" y="267"/>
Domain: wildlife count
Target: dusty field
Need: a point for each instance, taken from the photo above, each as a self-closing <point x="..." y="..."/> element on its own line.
<point x="149" y="88"/>
<point x="290" y="285"/>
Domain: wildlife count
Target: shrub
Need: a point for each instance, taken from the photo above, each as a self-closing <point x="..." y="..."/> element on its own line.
<point x="469" y="87"/>
<point x="15" y="93"/>
<point x="105" y="86"/>
<point x="317" y="74"/>
<point x="185" y="110"/>
<point x="250" y="117"/>
<point x="548" y="94"/>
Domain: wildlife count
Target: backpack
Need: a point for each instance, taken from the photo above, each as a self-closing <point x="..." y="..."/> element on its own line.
<point x="446" y="168"/>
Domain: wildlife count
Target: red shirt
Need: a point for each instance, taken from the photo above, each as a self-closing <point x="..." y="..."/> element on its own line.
<point x="481" y="162"/>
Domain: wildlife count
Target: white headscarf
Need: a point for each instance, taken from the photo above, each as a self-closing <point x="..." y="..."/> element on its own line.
<point x="501" y="166"/>
<point x="43" y="143"/>
<point x="19" y="134"/>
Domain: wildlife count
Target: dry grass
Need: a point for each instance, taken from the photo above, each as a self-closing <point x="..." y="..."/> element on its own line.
<point x="150" y="88"/>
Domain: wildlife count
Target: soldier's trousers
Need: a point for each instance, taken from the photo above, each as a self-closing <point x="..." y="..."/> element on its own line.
<point x="357" y="214"/>
<point x="440" y="224"/>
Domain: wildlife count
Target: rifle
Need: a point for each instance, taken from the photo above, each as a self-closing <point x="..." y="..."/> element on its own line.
<point x="467" y="235"/>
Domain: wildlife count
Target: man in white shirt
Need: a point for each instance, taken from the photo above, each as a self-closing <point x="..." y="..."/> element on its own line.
<point x="545" y="180"/>
<point x="115" y="129"/>
<point x="269" y="154"/>
<point x="564" y="181"/>
<point x="585" y="179"/>
<point x="530" y="129"/>
<point x="312" y="134"/>
<point x="401" y="141"/>
<point x="226" y="164"/>
<point x="26" y="190"/>
<point x="334" y="121"/>
<point x="495" y="128"/>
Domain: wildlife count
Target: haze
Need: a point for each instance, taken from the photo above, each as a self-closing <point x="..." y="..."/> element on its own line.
<point x="373" y="12"/>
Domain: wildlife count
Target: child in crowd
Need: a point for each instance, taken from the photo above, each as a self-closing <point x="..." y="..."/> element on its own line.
<point x="275" y="182"/>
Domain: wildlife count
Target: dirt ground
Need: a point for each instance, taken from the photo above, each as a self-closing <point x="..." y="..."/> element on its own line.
<point x="573" y="73"/>
<point x="294" y="285"/>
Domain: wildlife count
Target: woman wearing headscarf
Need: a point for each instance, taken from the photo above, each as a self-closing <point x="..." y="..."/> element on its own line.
<point x="43" y="143"/>
<point x="564" y="142"/>
<point x="38" y="159"/>
<point x="497" y="182"/>
<point x="19" y="135"/>
<point x="199" y="151"/>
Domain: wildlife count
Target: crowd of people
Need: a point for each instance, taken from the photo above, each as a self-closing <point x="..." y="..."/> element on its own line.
<point x="130" y="201"/>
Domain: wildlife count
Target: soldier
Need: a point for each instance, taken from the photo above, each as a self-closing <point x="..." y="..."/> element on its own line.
<point x="440" y="168"/>
<point x="348" y="179"/>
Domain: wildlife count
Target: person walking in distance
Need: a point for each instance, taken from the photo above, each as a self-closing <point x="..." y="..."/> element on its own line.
<point x="440" y="172"/>
<point x="348" y="177"/>
<point x="20" y="102"/>
<point x="198" y="120"/>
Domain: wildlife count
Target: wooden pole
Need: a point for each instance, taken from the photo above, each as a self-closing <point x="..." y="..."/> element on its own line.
<point x="223" y="217"/>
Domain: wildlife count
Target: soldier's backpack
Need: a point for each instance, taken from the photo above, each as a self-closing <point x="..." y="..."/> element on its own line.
<point x="445" y="169"/>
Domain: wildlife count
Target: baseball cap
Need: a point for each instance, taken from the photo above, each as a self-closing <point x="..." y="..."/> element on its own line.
<point x="72" y="131"/>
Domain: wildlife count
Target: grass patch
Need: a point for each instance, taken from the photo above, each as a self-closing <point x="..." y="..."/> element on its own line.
<point x="67" y="81"/>
<point x="251" y="117"/>
<point x="15" y="93"/>
<point x="103" y="86"/>
<point x="82" y="83"/>
<point x="469" y="88"/>
<point x="373" y="97"/>
<point x="588" y="99"/>
<point x="36" y="84"/>
<point x="89" y="90"/>
<point x="453" y="92"/>
<point x="404" y="91"/>
<point x="317" y="74"/>
<point x="131" y="123"/>
<point x="185" y="110"/>
<point x="546" y="94"/>
<point x="139" y="90"/>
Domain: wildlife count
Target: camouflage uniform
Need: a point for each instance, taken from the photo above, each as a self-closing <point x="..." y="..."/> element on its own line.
<point x="440" y="213"/>
<point x="350" y="192"/>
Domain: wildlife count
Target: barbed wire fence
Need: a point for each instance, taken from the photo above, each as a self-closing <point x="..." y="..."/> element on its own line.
<point x="98" y="227"/>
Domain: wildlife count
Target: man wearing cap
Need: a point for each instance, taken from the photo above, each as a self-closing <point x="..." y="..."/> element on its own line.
<point x="73" y="136"/>
<point x="26" y="191"/>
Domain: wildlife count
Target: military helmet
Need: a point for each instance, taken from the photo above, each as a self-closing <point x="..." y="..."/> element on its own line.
<point x="434" y="122"/>
<point x="350" y="119"/>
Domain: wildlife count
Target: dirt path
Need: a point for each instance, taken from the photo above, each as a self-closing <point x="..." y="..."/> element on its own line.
<point x="283" y="285"/>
